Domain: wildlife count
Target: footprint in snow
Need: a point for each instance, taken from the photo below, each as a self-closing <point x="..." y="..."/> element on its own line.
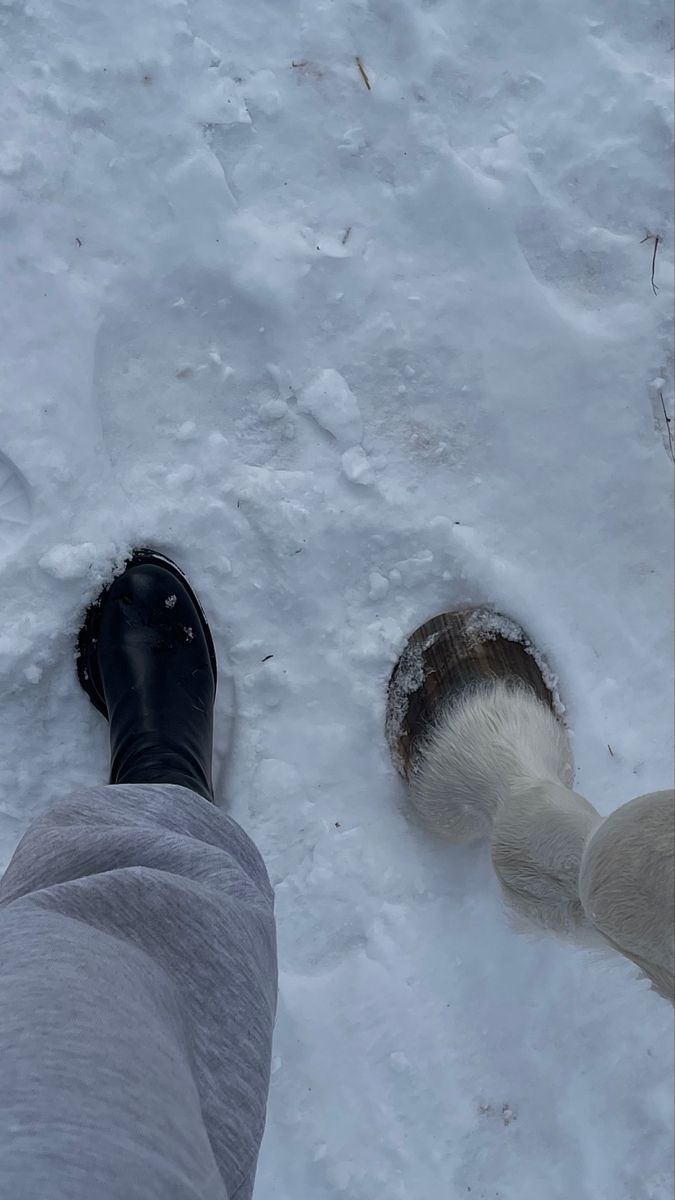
<point x="15" y="504"/>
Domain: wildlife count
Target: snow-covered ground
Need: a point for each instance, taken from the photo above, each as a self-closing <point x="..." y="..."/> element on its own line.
<point x="354" y="354"/>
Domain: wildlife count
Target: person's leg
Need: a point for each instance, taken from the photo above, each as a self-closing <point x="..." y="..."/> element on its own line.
<point x="137" y="1001"/>
<point x="137" y="939"/>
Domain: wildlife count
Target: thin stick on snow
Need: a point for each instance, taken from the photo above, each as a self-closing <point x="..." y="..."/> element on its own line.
<point x="364" y="77"/>
<point x="655" y="237"/>
<point x="668" y="423"/>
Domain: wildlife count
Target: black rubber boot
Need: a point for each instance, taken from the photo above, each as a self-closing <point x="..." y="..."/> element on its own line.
<point x="147" y="662"/>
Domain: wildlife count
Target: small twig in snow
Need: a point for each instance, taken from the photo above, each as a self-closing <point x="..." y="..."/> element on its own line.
<point x="655" y="237"/>
<point x="668" y="423"/>
<point x="345" y="236"/>
<point x="364" y="77"/>
<point x="610" y="750"/>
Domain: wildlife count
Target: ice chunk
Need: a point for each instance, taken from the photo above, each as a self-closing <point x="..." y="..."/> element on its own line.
<point x="273" y="410"/>
<point x="329" y="399"/>
<point x="262" y="91"/>
<point x="379" y="586"/>
<point x="356" y="467"/>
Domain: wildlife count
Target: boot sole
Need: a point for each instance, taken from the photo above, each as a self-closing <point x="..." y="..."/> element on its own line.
<point x="85" y="657"/>
<point x="447" y="655"/>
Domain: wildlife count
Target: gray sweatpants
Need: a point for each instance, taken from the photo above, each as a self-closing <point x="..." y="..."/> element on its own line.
<point x="137" y="998"/>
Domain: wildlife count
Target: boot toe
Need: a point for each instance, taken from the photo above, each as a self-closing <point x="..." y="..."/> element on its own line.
<point x="149" y="606"/>
<point x="147" y="662"/>
<point x="147" y="586"/>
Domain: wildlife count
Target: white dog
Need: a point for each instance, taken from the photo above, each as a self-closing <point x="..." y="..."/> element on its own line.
<point x="487" y="757"/>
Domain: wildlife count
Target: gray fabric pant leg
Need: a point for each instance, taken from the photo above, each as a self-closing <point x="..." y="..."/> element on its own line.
<point x="137" y="998"/>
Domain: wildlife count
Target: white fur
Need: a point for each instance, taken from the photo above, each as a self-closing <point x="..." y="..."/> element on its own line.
<point x="627" y="885"/>
<point x="490" y="741"/>
<point x="497" y="764"/>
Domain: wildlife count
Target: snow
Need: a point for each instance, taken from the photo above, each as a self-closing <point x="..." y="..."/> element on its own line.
<point x="329" y="399"/>
<point x="356" y="467"/>
<point x="352" y="357"/>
